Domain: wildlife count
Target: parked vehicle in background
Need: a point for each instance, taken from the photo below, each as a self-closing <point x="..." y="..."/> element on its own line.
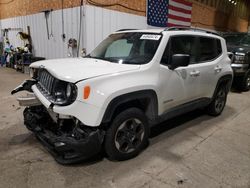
<point x="239" y="45"/>
<point x="133" y="80"/>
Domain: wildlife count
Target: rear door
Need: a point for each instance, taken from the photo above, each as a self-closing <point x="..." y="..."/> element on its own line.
<point x="208" y="65"/>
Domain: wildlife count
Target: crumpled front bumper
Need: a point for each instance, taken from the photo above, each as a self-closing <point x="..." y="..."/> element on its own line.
<point x="67" y="150"/>
<point x="66" y="147"/>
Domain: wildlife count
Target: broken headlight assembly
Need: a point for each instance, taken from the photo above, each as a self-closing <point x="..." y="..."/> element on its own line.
<point x="56" y="91"/>
<point x="64" y="93"/>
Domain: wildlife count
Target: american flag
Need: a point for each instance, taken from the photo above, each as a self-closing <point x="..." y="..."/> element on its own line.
<point x="169" y="13"/>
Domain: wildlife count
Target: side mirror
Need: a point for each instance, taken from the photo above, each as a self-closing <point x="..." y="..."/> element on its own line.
<point x="179" y="60"/>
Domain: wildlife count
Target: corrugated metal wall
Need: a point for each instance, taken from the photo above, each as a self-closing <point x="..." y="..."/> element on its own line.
<point x="97" y="24"/>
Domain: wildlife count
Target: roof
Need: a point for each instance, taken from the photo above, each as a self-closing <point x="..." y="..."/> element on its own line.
<point x="176" y="30"/>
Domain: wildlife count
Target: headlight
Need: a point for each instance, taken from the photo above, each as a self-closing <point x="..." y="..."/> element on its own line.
<point x="65" y="93"/>
<point x="68" y="91"/>
<point x="239" y="58"/>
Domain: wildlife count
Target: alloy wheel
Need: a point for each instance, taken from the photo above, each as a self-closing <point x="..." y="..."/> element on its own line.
<point x="220" y="100"/>
<point x="129" y="135"/>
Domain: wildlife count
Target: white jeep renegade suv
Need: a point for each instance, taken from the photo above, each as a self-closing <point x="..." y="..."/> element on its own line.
<point x="133" y="79"/>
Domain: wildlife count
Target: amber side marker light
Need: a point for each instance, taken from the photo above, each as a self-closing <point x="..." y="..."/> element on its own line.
<point x="86" y="92"/>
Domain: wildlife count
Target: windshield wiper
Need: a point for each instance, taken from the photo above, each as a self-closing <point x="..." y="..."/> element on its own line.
<point x="88" y="56"/>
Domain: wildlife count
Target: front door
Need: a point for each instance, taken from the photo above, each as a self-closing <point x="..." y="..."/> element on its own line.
<point x="181" y="85"/>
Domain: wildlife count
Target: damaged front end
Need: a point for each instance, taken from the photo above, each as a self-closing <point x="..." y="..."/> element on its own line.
<point x="65" y="137"/>
<point x="68" y="140"/>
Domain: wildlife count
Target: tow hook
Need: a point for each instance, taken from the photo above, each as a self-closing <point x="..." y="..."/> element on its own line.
<point x="25" y="86"/>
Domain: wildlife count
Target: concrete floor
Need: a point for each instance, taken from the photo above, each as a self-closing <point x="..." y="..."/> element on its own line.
<point x="194" y="150"/>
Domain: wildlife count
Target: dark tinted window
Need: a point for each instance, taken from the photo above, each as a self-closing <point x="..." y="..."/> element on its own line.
<point x="218" y="46"/>
<point x="180" y="45"/>
<point x="207" y="49"/>
<point x="233" y="38"/>
<point x="245" y="40"/>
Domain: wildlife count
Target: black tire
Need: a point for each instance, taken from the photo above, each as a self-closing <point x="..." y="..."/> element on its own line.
<point x="216" y="107"/>
<point x="127" y="136"/>
<point x="244" y="82"/>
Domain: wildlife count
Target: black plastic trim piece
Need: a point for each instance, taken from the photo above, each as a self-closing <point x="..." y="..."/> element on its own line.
<point x="182" y="109"/>
<point x="120" y="30"/>
<point x="227" y="79"/>
<point x="25" y="86"/>
<point x="151" y="110"/>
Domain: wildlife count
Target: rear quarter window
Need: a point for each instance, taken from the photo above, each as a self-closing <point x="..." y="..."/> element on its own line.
<point x="210" y="49"/>
<point x="218" y="47"/>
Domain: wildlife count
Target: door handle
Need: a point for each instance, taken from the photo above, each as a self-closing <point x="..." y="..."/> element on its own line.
<point x="218" y="69"/>
<point x="195" y="73"/>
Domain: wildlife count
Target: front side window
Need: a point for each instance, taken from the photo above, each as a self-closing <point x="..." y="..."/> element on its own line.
<point x="180" y="45"/>
<point x="128" y="48"/>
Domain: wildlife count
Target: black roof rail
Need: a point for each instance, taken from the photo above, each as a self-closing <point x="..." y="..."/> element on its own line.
<point x="125" y="30"/>
<point x="189" y="29"/>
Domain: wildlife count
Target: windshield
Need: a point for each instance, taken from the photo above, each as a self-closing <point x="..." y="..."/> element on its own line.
<point x="234" y="38"/>
<point x="245" y="40"/>
<point x="127" y="48"/>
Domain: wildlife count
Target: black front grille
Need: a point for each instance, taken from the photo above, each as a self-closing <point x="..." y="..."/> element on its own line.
<point x="46" y="83"/>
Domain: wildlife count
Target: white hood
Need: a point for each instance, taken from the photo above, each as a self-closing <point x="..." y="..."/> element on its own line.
<point x="76" y="69"/>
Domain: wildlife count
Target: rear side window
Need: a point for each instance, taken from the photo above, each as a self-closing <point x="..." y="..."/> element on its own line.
<point x="210" y="49"/>
<point x="180" y="45"/>
<point x="219" y="48"/>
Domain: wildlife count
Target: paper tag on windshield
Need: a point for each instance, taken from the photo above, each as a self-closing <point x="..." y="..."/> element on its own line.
<point x="150" y="37"/>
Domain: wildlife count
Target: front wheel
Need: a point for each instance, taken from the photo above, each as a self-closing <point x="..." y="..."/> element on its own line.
<point x="127" y="136"/>
<point x="217" y="105"/>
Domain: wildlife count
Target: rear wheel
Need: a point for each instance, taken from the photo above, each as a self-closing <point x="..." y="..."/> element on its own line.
<point x="217" y="105"/>
<point x="245" y="82"/>
<point x="127" y="135"/>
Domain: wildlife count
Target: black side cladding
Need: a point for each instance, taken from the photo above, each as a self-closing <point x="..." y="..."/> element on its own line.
<point x="151" y="109"/>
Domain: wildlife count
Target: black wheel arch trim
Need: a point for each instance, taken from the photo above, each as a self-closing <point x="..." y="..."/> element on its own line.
<point x="151" y="109"/>
<point x="228" y="79"/>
